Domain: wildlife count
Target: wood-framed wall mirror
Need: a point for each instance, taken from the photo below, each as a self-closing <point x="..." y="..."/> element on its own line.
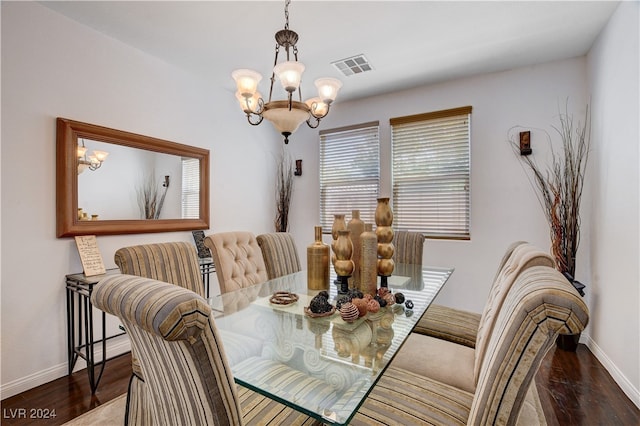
<point x="111" y="182"/>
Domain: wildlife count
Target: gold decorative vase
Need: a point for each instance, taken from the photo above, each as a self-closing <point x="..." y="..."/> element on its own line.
<point x="343" y="265"/>
<point x="384" y="234"/>
<point x="368" y="261"/>
<point x="356" y="226"/>
<point x="339" y="224"/>
<point x="318" y="262"/>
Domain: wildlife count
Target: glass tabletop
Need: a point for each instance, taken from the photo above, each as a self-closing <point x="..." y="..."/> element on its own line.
<point x="323" y="367"/>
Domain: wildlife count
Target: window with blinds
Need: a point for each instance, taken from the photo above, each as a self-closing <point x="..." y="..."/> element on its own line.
<point x="190" y="188"/>
<point x="431" y="173"/>
<point x="349" y="172"/>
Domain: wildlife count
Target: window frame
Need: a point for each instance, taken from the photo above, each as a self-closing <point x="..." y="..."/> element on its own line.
<point x="454" y="172"/>
<point x="365" y="135"/>
<point x="190" y="188"/>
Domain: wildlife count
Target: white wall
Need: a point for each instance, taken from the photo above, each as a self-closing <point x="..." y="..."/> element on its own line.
<point x="53" y="67"/>
<point x="614" y="276"/>
<point x="504" y="207"/>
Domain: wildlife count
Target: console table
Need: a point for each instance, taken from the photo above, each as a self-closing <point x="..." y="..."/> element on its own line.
<point x="81" y="341"/>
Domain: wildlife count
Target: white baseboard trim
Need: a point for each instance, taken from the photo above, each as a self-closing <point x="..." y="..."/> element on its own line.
<point x="616" y="374"/>
<point x="116" y="347"/>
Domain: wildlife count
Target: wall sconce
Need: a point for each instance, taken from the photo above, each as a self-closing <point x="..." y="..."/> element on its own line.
<point x="525" y="143"/>
<point x="298" y="171"/>
<point x="93" y="162"/>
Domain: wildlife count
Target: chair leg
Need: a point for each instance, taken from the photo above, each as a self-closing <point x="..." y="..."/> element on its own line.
<point x="126" y="410"/>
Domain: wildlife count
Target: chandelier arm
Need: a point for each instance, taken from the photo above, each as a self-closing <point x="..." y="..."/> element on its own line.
<point x="318" y="117"/>
<point x="295" y="54"/>
<point x="314" y="124"/>
<point x="259" y="107"/>
<point x="273" y="74"/>
<point x="254" y="123"/>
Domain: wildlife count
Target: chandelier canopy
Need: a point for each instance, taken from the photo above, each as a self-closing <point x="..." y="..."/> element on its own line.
<point x="286" y="115"/>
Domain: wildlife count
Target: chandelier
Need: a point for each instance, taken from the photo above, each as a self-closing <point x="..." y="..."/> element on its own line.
<point x="286" y="115"/>
<point x="92" y="162"/>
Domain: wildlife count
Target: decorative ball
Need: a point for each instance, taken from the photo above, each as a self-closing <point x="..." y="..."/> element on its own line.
<point x="349" y="312"/>
<point x="389" y="298"/>
<point x="408" y="313"/>
<point x="342" y="299"/>
<point x="323" y="293"/>
<point x="408" y="304"/>
<point x="399" y="298"/>
<point x="373" y="306"/>
<point x="361" y="304"/>
<point x="367" y="297"/>
<point x="354" y="293"/>
<point x="382" y="291"/>
<point x="320" y="304"/>
<point x="380" y="301"/>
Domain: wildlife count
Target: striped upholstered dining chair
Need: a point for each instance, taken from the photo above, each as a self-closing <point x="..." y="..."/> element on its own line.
<point x="238" y="260"/>
<point x="173" y="262"/>
<point x="488" y="385"/>
<point x="408" y="247"/>
<point x="279" y="253"/>
<point x="173" y="331"/>
<point x="461" y="326"/>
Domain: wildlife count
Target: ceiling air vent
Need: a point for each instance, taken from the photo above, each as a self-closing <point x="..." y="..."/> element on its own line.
<point x="353" y="65"/>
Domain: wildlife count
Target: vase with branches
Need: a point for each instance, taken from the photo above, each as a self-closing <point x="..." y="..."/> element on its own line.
<point x="559" y="186"/>
<point x="150" y="200"/>
<point x="284" y="190"/>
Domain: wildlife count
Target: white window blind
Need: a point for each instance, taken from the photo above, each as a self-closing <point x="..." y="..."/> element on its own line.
<point x="190" y="188"/>
<point x="349" y="172"/>
<point x="430" y="172"/>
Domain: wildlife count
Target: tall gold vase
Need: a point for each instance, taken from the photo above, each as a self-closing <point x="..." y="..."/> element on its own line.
<point x="339" y="224"/>
<point x="368" y="261"/>
<point x="343" y="250"/>
<point x="318" y="262"/>
<point x="356" y="226"/>
<point x="384" y="233"/>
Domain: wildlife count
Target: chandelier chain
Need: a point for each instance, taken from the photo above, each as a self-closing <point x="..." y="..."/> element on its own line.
<point x="286" y="14"/>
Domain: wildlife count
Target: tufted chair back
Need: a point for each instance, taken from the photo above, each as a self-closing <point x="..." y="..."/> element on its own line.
<point x="172" y="331"/>
<point x="408" y="247"/>
<point x="174" y="263"/>
<point x="238" y="260"/>
<point x="279" y="253"/>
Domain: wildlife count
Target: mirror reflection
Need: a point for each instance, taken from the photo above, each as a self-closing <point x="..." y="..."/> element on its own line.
<point x="132" y="183"/>
<point x="111" y="182"/>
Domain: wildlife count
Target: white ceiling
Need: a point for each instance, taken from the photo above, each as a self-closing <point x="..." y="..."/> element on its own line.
<point x="408" y="43"/>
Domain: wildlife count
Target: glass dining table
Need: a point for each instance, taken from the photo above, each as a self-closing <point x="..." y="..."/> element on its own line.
<point x="321" y="366"/>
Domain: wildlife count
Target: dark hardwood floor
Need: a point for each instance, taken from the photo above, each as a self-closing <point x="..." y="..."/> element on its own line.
<point x="574" y="389"/>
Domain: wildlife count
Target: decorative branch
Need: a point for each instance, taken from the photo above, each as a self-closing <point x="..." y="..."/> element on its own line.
<point x="284" y="190"/>
<point x="559" y="186"/>
<point x="148" y="200"/>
